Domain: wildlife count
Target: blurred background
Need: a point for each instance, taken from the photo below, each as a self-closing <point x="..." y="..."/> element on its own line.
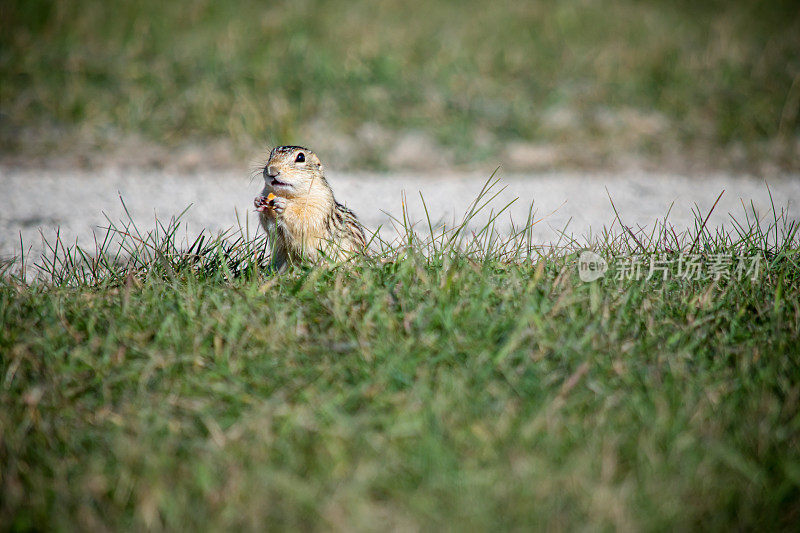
<point x="403" y="85"/>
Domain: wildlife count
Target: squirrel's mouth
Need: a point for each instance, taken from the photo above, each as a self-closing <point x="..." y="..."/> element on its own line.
<point x="277" y="183"/>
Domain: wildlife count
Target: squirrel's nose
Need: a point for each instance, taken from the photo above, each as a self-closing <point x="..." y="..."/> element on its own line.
<point x="270" y="172"/>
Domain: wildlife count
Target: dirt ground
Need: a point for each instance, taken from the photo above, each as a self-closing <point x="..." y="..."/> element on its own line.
<point x="34" y="203"/>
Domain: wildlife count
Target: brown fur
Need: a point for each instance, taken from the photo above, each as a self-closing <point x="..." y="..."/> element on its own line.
<point x="312" y="223"/>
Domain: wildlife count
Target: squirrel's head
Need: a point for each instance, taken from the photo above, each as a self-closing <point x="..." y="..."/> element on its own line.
<point x="292" y="171"/>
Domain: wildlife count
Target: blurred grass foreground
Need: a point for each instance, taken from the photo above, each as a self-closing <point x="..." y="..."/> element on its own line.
<point x="456" y="381"/>
<point x="389" y="84"/>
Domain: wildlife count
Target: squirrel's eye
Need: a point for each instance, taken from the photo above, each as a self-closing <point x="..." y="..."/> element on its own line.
<point x="300" y="158"/>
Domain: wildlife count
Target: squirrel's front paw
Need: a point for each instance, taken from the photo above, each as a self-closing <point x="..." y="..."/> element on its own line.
<point x="270" y="204"/>
<point x="278" y="204"/>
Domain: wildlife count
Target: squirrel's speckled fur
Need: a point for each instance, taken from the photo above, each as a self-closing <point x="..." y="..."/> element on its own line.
<point x="307" y="219"/>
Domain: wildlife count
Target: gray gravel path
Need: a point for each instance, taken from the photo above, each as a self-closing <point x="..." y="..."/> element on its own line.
<point x="43" y="200"/>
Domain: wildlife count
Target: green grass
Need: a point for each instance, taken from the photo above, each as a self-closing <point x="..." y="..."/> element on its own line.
<point x="644" y="76"/>
<point x="452" y="381"/>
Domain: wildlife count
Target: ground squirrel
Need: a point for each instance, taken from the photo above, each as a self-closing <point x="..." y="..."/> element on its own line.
<point x="298" y="203"/>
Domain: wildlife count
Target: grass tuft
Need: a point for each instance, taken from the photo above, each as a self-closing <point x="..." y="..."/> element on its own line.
<point x="458" y="376"/>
